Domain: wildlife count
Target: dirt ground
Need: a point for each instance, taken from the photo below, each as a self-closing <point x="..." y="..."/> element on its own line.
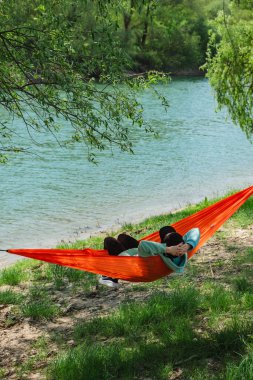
<point x="20" y="337"/>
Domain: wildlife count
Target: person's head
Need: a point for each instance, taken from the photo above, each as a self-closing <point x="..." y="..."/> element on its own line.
<point x="173" y="238"/>
<point x="164" y="231"/>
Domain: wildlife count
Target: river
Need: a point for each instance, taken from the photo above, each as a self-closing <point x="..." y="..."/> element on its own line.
<point x="62" y="196"/>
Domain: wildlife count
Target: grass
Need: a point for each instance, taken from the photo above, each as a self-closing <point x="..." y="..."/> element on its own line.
<point x="151" y="338"/>
<point x="242" y="284"/>
<point x="62" y="275"/>
<point x="133" y="317"/>
<point x="40" y="346"/>
<point x="18" y="273"/>
<point x="11" y="276"/>
<point x="38" y="310"/>
<point x="219" y="300"/>
<point x="242" y="371"/>
<point x="9" y="297"/>
<point x="38" y="305"/>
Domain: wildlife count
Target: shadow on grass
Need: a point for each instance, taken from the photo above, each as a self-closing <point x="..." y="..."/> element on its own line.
<point x="117" y="361"/>
<point x="143" y="340"/>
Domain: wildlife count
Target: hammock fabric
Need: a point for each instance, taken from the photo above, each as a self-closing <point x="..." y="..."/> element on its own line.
<point x="138" y="269"/>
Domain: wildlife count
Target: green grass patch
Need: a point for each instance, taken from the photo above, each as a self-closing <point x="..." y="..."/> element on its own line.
<point x="61" y="276"/>
<point x="12" y="276"/>
<point x="131" y="317"/>
<point x="17" y="273"/>
<point x="113" y="360"/>
<point x="95" y="362"/>
<point x="247" y="301"/>
<point x="38" y="305"/>
<point x="242" y="284"/>
<point x="241" y="371"/>
<point x="219" y="300"/>
<point x="94" y="242"/>
<point x="8" y="297"/>
<point x="232" y="337"/>
<point x="38" y="310"/>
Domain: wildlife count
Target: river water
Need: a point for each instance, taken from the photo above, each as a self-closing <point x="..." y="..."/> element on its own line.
<point x="62" y="196"/>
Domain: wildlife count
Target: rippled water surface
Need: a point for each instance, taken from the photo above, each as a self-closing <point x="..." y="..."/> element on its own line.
<point x="62" y="196"/>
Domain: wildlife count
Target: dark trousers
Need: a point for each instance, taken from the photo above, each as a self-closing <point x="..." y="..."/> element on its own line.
<point x="122" y="243"/>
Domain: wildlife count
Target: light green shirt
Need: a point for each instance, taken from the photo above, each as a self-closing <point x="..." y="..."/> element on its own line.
<point x="149" y="248"/>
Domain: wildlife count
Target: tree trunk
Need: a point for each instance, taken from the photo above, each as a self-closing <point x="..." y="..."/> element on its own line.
<point x="145" y="29"/>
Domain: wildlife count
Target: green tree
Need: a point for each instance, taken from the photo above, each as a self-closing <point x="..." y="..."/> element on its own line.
<point x="51" y="52"/>
<point x="230" y="62"/>
<point x="167" y="35"/>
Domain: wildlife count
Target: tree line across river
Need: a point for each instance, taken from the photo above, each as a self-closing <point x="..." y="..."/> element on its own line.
<point x="53" y="47"/>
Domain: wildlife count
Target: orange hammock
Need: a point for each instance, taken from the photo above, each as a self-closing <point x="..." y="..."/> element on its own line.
<point x="139" y="269"/>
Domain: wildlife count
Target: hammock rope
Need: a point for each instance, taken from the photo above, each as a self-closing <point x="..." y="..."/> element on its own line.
<point x="138" y="269"/>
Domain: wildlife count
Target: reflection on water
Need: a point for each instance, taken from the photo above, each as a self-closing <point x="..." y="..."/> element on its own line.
<point x="199" y="153"/>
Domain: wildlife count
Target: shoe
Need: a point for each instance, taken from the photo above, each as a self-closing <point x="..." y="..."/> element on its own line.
<point x="108" y="281"/>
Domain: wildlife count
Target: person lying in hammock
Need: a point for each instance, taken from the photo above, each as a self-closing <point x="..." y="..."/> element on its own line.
<point x="172" y="249"/>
